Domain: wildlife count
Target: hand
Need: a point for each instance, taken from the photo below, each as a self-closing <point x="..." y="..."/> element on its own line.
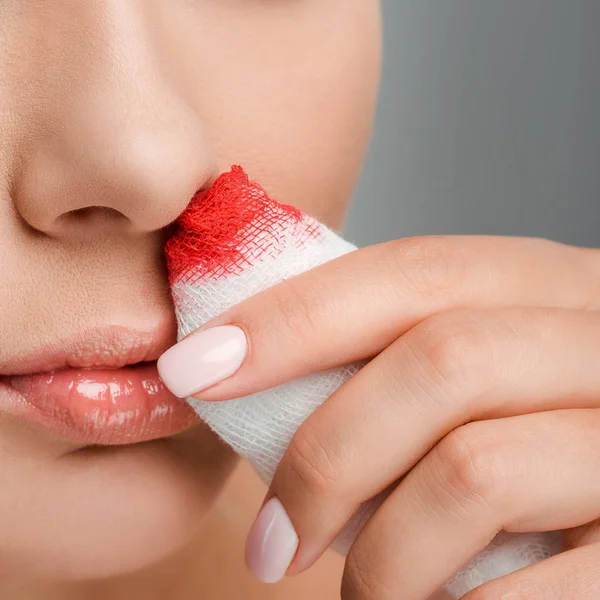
<point x="478" y="411"/>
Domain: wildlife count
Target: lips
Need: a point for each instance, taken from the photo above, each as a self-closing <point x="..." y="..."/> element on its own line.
<point x="99" y="388"/>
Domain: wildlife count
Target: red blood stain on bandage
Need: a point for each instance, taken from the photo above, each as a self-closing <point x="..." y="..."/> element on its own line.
<point x="230" y="227"/>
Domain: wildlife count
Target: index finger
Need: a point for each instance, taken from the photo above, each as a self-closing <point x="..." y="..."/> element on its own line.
<point x="355" y="306"/>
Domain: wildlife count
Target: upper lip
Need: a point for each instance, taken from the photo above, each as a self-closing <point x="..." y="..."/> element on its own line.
<point x="110" y="347"/>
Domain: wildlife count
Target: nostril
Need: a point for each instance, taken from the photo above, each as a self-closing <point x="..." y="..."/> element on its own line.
<point x="138" y="183"/>
<point x="91" y="217"/>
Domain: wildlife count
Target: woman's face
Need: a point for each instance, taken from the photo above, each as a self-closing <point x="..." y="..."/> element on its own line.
<point x="112" y="114"/>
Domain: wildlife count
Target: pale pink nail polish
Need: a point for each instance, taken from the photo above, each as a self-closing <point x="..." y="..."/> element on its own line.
<point x="202" y="359"/>
<point x="271" y="544"/>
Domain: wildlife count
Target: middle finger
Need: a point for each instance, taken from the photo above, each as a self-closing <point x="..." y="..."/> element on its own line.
<point x="519" y="474"/>
<point x="452" y="369"/>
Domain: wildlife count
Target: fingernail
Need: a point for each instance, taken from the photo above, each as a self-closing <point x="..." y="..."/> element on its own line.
<point x="271" y="544"/>
<point x="202" y="359"/>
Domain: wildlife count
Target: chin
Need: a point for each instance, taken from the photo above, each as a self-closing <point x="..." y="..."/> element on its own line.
<point x="106" y="512"/>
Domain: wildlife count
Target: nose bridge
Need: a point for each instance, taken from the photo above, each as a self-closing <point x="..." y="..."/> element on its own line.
<point x="57" y="54"/>
<point x="97" y="123"/>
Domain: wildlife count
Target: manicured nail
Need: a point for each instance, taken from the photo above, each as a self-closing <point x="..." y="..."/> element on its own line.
<point x="202" y="359"/>
<point x="272" y="543"/>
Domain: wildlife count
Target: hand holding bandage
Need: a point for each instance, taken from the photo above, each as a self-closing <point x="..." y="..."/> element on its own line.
<point x="383" y="421"/>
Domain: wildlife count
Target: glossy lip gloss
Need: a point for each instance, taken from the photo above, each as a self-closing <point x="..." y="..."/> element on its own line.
<point x="106" y="407"/>
<point x="100" y="386"/>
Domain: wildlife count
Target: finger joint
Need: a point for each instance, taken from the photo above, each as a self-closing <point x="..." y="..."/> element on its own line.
<point x="361" y="581"/>
<point x="473" y="465"/>
<point x="314" y="465"/>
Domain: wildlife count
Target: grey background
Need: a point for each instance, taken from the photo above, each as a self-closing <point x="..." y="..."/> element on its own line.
<point x="488" y="122"/>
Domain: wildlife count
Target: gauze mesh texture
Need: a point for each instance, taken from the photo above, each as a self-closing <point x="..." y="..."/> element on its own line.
<point x="234" y="241"/>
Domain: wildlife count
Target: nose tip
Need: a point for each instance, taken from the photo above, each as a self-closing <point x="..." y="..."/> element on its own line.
<point x="110" y="139"/>
<point x="141" y="177"/>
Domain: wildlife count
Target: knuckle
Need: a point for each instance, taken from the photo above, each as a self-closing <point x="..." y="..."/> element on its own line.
<point x="451" y="348"/>
<point x="313" y="465"/>
<point x="430" y="265"/>
<point x="473" y="463"/>
<point x="361" y="580"/>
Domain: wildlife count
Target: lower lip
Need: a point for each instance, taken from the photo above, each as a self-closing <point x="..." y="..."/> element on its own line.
<point x="107" y="407"/>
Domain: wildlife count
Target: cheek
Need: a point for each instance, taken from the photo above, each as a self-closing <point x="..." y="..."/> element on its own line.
<point x="288" y="91"/>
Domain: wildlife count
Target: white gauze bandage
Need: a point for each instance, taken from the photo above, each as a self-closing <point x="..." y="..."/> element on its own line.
<point x="233" y="242"/>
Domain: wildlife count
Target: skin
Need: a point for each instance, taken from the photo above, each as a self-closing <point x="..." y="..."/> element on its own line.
<point x="480" y="404"/>
<point x="481" y="395"/>
<point x="112" y="114"/>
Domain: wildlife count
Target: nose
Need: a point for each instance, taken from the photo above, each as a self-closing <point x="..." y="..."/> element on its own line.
<point x="104" y="135"/>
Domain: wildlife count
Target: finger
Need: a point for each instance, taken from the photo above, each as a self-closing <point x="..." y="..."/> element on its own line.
<point x="582" y="535"/>
<point x="353" y="307"/>
<point x="451" y="369"/>
<point x="573" y="575"/>
<point x="518" y="474"/>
